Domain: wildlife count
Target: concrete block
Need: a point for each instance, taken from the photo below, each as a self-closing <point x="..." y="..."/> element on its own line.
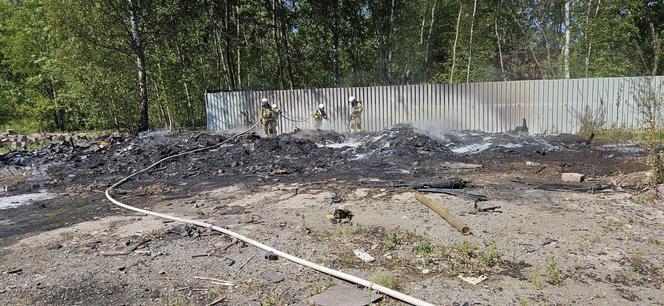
<point x="573" y="177"/>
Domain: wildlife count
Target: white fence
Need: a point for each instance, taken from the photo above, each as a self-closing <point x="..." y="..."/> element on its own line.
<point x="548" y="106"/>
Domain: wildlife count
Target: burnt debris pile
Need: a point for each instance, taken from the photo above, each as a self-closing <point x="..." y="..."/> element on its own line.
<point x="401" y="142"/>
<point x="304" y="152"/>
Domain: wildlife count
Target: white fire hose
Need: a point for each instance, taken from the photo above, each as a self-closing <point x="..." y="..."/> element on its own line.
<point x="338" y="274"/>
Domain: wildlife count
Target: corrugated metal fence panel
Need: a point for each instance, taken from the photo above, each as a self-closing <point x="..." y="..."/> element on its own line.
<point x="548" y="106"/>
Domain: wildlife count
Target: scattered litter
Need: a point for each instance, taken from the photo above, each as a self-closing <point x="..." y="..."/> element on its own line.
<point x="360" y="253"/>
<point x="469" y="196"/>
<point x="490" y="209"/>
<point x="216" y="281"/>
<point x="217" y="301"/>
<point x="460" y="166"/>
<point x="339" y="216"/>
<point x="564" y="187"/>
<point x="128" y="251"/>
<point x="573" y="177"/>
<point x="532" y="164"/>
<point x="185" y="231"/>
<point x="472" y="280"/>
<point x="448" y="183"/>
<point x="15" y="271"/>
<point x="344" y="296"/>
<point x="271" y="256"/>
<point x="336" y="199"/>
<point x="272" y="276"/>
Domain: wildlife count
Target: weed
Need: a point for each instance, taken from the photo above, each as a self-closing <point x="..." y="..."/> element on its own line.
<point x="4" y="150"/>
<point x="344" y="232"/>
<point x="467" y="249"/>
<point x="275" y="298"/>
<point x="591" y="120"/>
<point x="610" y="225"/>
<point x="651" y="105"/>
<point x="392" y="240"/>
<point x="523" y="303"/>
<point x="552" y="271"/>
<point x="179" y="301"/>
<point x="444" y="251"/>
<point x="423" y="249"/>
<point x="536" y="278"/>
<point x="490" y="255"/>
<point x="637" y="260"/>
<point x="658" y="243"/>
<point x="384" y="279"/>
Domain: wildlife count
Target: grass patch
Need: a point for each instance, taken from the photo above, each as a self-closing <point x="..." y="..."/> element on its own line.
<point x="392" y="240"/>
<point x="345" y="232"/>
<point x="384" y="279"/>
<point x="536" y="278"/>
<point x="610" y="225"/>
<point x="423" y="249"/>
<point x="469" y="259"/>
<point x="555" y="277"/>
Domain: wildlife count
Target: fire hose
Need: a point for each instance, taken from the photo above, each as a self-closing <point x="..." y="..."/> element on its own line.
<point x="338" y="274"/>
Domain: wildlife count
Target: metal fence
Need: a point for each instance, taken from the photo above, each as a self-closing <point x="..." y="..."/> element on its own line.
<point x="548" y="106"/>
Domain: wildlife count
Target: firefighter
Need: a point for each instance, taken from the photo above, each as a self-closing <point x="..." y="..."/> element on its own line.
<point x="318" y="115"/>
<point x="269" y="116"/>
<point x="356" y="109"/>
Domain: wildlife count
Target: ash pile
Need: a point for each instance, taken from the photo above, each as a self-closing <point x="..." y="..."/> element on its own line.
<point x="302" y="154"/>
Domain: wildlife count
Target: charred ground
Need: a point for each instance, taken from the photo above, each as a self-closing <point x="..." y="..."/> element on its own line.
<point x="279" y="189"/>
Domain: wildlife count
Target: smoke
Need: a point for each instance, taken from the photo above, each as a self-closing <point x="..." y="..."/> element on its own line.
<point x="435" y="129"/>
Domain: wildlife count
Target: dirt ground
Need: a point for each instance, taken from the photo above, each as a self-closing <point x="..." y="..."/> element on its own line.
<point x="540" y="247"/>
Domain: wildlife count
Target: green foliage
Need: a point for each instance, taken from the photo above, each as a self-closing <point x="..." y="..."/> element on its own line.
<point x="536" y="278"/>
<point x="72" y="64"/>
<point x="555" y="277"/>
<point x="651" y="105"/>
<point x="392" y="240"/>
<point x="423" y="249"/>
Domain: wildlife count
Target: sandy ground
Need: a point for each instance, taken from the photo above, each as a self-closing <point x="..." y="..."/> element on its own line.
<point x="543" y="247"/>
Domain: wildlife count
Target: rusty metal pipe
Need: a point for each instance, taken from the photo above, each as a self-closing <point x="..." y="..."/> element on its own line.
<point x="444" y="213"/>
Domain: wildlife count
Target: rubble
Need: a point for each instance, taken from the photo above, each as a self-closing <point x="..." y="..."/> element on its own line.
<point x="573" y="177"/>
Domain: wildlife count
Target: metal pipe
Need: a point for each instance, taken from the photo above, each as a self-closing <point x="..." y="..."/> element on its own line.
<point x="444" y="213"/>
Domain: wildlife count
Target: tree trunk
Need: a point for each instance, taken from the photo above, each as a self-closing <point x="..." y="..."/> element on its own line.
<point x="139" y="50"/>
<point x="426" y="50"/>
<point x="227" y="43"/>
<point x="335" y="44"/>
<point x="590" y="42"/>
<point x="500" y="50"/>
<point x="655" y="48"/>
<point x="530" y="45"/>
<point x="567" y="37"/>
<point x="456" y="39"/>
<point x="190" y="109"/>
<point x="238" y="47"/>
<point x="424" y="20"/>
<point x="470" y="50"/>
<point x="277" y="44"/>
<point x="389" y="43"/>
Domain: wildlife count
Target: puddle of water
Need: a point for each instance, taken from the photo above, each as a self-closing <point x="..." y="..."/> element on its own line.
<point x="18" y="200"/>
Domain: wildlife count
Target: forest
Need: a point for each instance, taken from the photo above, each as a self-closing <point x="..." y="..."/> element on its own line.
<point x="134" y="65"/>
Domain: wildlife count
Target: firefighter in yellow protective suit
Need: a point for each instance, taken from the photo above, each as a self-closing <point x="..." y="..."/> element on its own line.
<point x="356" y="109"/>
<point x="318" y="115"/>
<point x="269" y="116"/>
